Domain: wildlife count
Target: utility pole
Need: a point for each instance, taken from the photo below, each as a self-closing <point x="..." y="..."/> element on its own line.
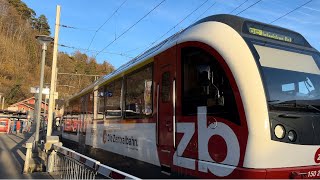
<point x="53" y="73"/>
<point x="77" y="74"/>
<point x="56" y="81"/>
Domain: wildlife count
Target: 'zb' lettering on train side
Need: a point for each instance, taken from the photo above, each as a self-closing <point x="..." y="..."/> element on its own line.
<point x="204" y="135"/>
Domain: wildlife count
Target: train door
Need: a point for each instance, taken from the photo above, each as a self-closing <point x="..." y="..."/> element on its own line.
<point x="165" y="65"/>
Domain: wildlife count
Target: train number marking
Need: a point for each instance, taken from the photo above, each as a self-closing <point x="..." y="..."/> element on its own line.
<point x="312" y="174"/>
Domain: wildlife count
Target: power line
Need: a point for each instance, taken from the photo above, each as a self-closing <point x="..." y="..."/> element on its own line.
<point x="130" y="27"/>
<point x="196" y="10"/>
<point x="105" y="23"/>
<point x="290" y="12"/>
<point x="76" y="74"/>
<point x="134" y="49"/>
<point x="177" y="24"/>
<point x="95" y="51"/>
<point x="238" y="6"/>
<point x="64" y="85"/>
<point x="248" y="7"/>
<point x="73" y="27"/>
<point x="205" y="11"/>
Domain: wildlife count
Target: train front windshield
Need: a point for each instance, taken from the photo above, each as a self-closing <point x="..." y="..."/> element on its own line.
<point x="291" y="79"/>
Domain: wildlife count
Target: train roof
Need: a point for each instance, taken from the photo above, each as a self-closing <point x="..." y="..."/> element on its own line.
<point x="239" y="24"/>
<point x="242" y="25"/>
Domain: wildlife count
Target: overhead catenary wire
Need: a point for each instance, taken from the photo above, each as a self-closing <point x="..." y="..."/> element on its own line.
<point x="96" y="30"/>
<point x="238" y="6"/>
<point x="121" y="54"/>
<point x="248" y="7"/>
<point x="290" y="12"/>
<point x="204" y="12"/>
<point x="102" y="51"/>
<point x="105" y="23"/>
<point x="196" y="10"/>
<point x="78" y="28"/>
<point x="94" y="51"/>
<point x="238" y="14"/>
<point x="177" y="24"/>
<point x="134" y="49"/>
<point x="130" y="27"/>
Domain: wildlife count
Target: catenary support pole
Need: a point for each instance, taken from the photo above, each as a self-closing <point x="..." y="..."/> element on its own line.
<point x="53" y="73"/>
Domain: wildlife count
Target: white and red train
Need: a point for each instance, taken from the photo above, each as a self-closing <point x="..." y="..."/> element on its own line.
<point x="4" y="125"/>
<point x="227" y="97"/>
<point x="4" y="121"/>
<point x="11" y="119"/>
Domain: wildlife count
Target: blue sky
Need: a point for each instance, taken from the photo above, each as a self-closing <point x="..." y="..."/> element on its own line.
<point x="88" y="16"/>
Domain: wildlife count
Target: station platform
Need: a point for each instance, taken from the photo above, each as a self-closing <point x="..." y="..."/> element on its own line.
<point x="12" y="157"/>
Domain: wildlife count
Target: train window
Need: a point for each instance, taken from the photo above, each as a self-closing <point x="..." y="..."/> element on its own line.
<point x="67" y="111"/>
<point x="71" y="108"/>
<point x="74" y="107"/>
<point x="165" y="87"/>
<point x="90" y="105"/>
<point x="87" y="116"/>
<point x="138" y="93"/>
<point x="205" y="84"/>
<point x="113" y="99"/>
<point x="83" y="106"/>
<point x="100" y="100"/>
<point x="290" y="77"/>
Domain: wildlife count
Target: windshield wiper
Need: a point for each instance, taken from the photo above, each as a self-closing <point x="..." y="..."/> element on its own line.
<point x="293" y="116"/>
<point x="292" y="103"/>
<point x="313" y="107"/>
<point x="275" y="100"/>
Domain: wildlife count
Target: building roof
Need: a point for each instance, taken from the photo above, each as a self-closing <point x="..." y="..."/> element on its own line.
<point x="24" y="102"/>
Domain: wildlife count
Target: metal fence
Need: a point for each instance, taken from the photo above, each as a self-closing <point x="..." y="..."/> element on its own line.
<point x="68" y="164"/>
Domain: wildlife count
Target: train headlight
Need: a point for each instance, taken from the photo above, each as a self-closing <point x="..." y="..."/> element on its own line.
<point x="292" y="135"/>
<point x="279" y="131"/>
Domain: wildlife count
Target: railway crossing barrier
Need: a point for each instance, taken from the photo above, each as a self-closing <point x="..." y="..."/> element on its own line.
<point x="64" y="163"/>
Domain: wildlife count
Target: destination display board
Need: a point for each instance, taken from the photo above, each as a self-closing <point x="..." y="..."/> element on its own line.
<point x="268" y="34"/>
<point x="274" y="33"/>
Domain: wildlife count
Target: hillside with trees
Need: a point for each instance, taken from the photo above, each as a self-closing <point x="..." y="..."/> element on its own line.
<point x="20" y="55"/>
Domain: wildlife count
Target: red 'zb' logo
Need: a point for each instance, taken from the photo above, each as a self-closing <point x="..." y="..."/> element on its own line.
<point x="317" y="156"/>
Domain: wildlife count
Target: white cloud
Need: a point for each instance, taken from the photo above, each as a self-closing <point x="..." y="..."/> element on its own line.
<point x="304" y="13"/>
<point x="312" y="9"/>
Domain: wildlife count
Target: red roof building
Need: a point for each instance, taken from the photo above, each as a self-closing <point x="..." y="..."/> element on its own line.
<point x="27" y="105"/>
